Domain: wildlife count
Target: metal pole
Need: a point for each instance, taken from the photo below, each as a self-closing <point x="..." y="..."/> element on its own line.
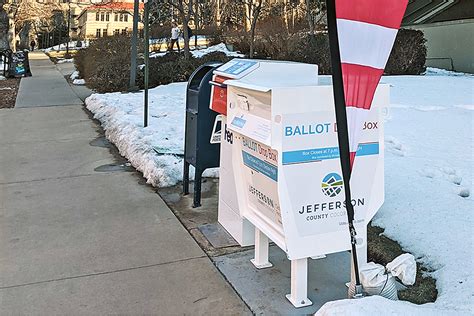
<point x="68" y="28"/>
<point x="133" y="58"/>
<point x="147" y="55"/>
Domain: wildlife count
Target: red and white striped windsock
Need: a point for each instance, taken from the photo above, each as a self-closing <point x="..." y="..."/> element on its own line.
<point x="366" y="32"/>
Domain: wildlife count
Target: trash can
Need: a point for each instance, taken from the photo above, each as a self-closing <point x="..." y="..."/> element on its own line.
<point x="199" y="151"/>
<point x="19" y="65"/>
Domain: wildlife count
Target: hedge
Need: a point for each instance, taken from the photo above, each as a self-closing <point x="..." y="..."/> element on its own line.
<point x="105" y="64"/>
<point x="408" y="55"/>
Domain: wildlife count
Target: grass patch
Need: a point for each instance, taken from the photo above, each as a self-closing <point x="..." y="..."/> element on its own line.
<point x="382" y="249"/>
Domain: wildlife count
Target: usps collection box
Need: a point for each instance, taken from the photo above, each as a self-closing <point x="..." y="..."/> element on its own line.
<point x="287" y="178"/>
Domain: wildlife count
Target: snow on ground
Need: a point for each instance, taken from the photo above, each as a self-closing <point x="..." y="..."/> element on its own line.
<point x="201" y="52"/>
<point x="2" y="78"/>
<point x="429" y="189"/>
<point x="63" y="61"/>
<point x="79" y="82"/>
<point x="74" y="75"/>
<point x="121" y="116"/>
<point x="216" y="48"/>
<point x="72" y="45"/>
<point x="377" y="305"/>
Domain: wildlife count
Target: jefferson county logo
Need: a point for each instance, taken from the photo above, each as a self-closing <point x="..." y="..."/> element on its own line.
<point x="332" y="184"/>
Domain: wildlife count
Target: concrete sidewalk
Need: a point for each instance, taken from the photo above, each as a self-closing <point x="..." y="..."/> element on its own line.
<point x="47" y="86"/>
<point x="78" y="240"/>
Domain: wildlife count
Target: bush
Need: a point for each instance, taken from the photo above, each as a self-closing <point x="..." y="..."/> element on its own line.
<point x="172" y="67"/>
<point x="105" y="64"/>
<point x="214" y="34"/>
<point x="313" y="49"/>
<point x="408" y="55"/>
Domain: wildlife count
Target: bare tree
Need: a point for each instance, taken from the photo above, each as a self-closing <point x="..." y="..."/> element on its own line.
<point x="185" y="12"/>
<point x="253" y="9"/>
<point x="21" y="12"/>
<point x="314" y="13"/>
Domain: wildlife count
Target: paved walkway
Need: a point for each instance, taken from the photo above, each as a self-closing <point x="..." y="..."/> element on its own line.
<point x="77" y="241"/>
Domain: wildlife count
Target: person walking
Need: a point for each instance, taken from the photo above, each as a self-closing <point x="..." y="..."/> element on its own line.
<point x="175" y="31"/>
<point x="190" y="35"/>
<point x="32" y="45"/>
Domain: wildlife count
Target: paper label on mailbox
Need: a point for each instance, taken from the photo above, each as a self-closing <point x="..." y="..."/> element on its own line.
<point x="251" y="126"/>
<point x="261" y="176"/>
<point x="310" y="153"/>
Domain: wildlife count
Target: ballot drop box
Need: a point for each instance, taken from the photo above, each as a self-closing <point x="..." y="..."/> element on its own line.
<point x="286" y="167"/>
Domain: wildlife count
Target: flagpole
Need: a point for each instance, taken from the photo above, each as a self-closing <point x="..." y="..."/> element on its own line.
<point x="342" y="131"/>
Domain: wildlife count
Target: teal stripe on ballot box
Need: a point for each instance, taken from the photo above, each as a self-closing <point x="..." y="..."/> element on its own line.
<point x="261" y="166"/>
<point x="318" y="154"/>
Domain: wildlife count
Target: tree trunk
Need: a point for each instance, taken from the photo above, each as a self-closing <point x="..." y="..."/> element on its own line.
<point x="285" y="14"/>
<point x="248" y="15"/>
<point x="309" y="17"/>
<point x="255" y="14"/>
<point x="11" y="31"/>
<point x="218" y="12"/>
<point x="196" y="24"/>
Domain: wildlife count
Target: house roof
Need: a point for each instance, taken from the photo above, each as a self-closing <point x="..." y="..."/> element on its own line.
<point x="112" y="6"/>
<point x="430" y="11"/>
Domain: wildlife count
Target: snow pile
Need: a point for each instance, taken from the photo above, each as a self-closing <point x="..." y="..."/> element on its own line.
<point x="74" y="75"/>
<point x="216" y="48"/>
<point x="159" y="54"/>
<point x="72" y="45"/>
<point x="79" y="82"/>
<point x="63" y="61"/>
<point x="443" y="72"/>
<point x="121" y="116"/>
<point x="377" y="305"/>
<point x="201" y="52"/>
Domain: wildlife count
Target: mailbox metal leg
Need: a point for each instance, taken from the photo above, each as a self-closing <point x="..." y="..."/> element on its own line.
<point x="261" y="251"/>
<point x="197" y="187"/>
<point x="186" y="178"/>
<point x="299" y="283"/>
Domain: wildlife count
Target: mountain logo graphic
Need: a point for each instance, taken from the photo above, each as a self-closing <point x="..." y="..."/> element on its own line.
<point x="332" y="184"/>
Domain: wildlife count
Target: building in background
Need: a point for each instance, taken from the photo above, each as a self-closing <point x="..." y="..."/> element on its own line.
<point x="448" y="26"/>
<point x="106" y="19"/>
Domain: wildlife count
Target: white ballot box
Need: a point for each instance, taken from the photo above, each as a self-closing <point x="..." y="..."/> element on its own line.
<point x="286" y="169"/>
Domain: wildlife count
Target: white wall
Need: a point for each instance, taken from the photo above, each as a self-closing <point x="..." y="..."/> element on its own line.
<point x="450" y="44"/>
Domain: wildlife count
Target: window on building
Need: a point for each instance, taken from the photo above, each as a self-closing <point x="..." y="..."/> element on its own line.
<point x="102" y="16"/>
<point x="121" y="17"/>
<point x="125" y="18"/>
<point x="97" y="33"/>
<point x="117" y="32"/>
<point x="124" y="31"/>
<point x="116" y="17"/>
<point x="104" y="32"/>
<point x="97" y="16"/>
<point x="107" y="16"/>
